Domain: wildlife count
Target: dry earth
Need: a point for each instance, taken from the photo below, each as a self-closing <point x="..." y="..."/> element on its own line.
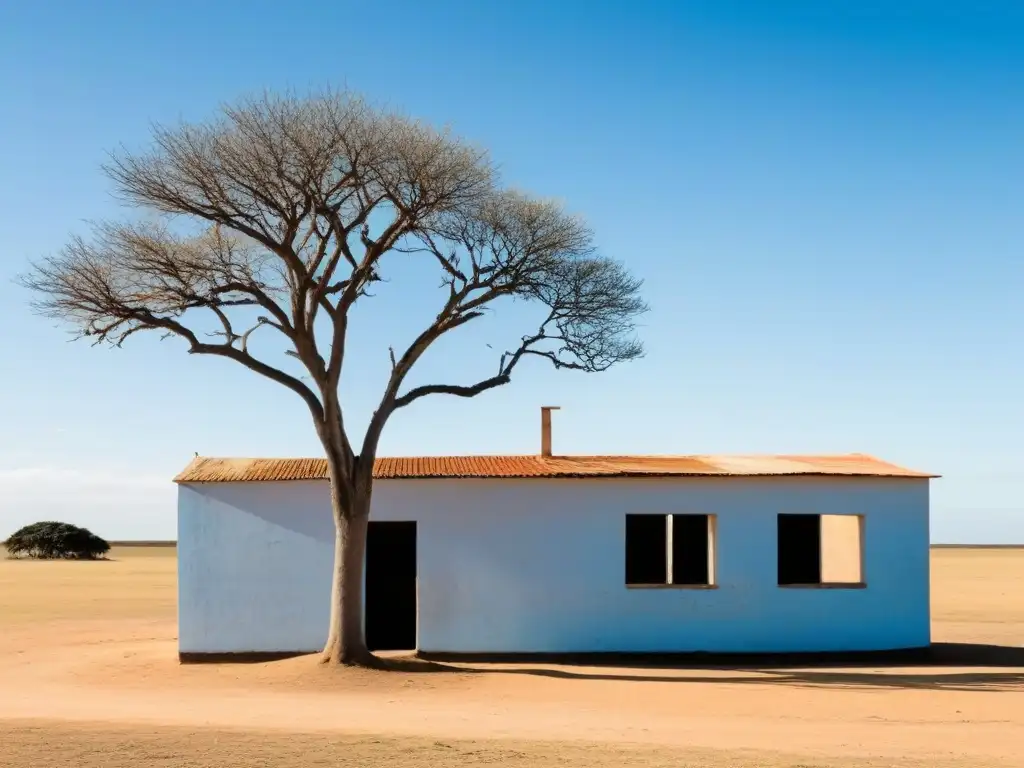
<point x="89" y="677"/>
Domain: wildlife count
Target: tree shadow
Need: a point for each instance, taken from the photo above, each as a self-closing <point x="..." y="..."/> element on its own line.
<point x="402" y="662"/>
<point x="922" y="669"/>
<point x="995" y="667"/>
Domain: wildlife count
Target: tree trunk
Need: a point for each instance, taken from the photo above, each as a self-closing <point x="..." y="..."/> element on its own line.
<point x="351" y="479"/>
<point x="346" y="641"/>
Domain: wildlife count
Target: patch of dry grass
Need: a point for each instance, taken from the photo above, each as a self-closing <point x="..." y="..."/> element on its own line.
<point x="978" y="595"/>
<point x="133" y="583"/>
<point x="97" y="746"/>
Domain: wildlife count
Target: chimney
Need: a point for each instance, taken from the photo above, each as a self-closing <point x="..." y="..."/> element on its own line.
<point x="545" y="428"/>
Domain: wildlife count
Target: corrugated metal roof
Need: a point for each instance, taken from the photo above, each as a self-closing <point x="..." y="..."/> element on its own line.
<point x="214" y="470"/>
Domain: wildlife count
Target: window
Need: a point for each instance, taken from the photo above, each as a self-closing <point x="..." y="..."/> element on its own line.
<point x="820" y="550"/>
<point x="670" y="550"/>
<point x="646" y="549"/>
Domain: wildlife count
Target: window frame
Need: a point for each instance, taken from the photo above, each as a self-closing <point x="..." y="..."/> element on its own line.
<point x="861" y="541"/>
<point x="712" y="523"/>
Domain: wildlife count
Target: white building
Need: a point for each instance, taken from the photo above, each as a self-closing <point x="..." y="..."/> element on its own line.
<point x="564" y="554"/>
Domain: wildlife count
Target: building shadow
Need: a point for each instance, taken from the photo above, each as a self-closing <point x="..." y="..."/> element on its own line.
<point x="940" y="667"/>
<point x="943" y="666"/>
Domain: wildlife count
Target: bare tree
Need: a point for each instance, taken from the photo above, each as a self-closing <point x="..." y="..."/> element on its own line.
<point x="279" y="214"/>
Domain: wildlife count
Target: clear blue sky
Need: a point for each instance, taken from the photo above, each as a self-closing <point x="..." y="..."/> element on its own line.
<point x="826" y="200"/>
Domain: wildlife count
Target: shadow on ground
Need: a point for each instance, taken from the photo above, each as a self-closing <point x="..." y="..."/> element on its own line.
<point x="981" y="667"/>
<point x="923" y="669"/>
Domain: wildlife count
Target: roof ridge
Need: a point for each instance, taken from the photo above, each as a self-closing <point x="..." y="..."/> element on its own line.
<point x="554" y="456"/>
<point x="237" y="469"/>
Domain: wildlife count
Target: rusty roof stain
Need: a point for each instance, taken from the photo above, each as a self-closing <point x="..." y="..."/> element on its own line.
<point x="237" y="470"/>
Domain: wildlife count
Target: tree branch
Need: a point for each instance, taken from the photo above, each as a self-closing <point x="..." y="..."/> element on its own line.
<point x="450" y="389"/>
<point x="239" y="356"/>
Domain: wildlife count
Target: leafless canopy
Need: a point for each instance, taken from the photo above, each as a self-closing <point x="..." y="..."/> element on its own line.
<point x="298" y="202"/>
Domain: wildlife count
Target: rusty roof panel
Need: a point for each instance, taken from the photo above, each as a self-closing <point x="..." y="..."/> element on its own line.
<point x="227" y="470"/>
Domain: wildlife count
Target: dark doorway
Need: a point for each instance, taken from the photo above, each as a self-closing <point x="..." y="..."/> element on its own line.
<point x="799" y="549"/>
<point x="391" y="586"/>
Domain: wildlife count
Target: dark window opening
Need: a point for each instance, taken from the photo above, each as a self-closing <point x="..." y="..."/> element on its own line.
<point x="646" y="549"/>
<point x="691" y="549"/>
<point x="390" y="611"/>
<point x="670" y="550"/>
<point x="799" y="548"/>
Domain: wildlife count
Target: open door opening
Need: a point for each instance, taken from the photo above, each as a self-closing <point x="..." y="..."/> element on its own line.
<point x="391" y="586"/>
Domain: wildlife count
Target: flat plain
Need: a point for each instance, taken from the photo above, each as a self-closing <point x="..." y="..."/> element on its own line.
<point x="89" y="677"/>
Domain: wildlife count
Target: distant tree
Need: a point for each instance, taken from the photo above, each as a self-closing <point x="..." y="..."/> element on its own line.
<point x="56" y="541"/>
<point x="281" y="214"/>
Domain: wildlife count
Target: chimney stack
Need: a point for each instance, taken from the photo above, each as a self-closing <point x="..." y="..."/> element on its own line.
<point x="545" y="428"/>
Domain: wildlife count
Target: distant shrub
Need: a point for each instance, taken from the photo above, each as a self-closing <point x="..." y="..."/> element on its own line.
<point x="56" y="541"/>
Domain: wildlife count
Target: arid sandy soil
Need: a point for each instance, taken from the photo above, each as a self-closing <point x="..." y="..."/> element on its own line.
<point x="89" y="677"/>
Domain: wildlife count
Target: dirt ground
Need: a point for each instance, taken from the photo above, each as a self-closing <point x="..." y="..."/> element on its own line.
<point x="89" y="677"/>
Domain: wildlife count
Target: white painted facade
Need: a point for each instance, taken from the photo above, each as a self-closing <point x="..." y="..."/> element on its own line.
<point x="537" y="566"/>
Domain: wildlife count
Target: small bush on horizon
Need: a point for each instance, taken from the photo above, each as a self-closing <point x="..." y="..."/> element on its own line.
<point x="51" y="540"/>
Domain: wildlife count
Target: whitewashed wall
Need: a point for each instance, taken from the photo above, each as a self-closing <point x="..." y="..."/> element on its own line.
<point x="537" y="566"/>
